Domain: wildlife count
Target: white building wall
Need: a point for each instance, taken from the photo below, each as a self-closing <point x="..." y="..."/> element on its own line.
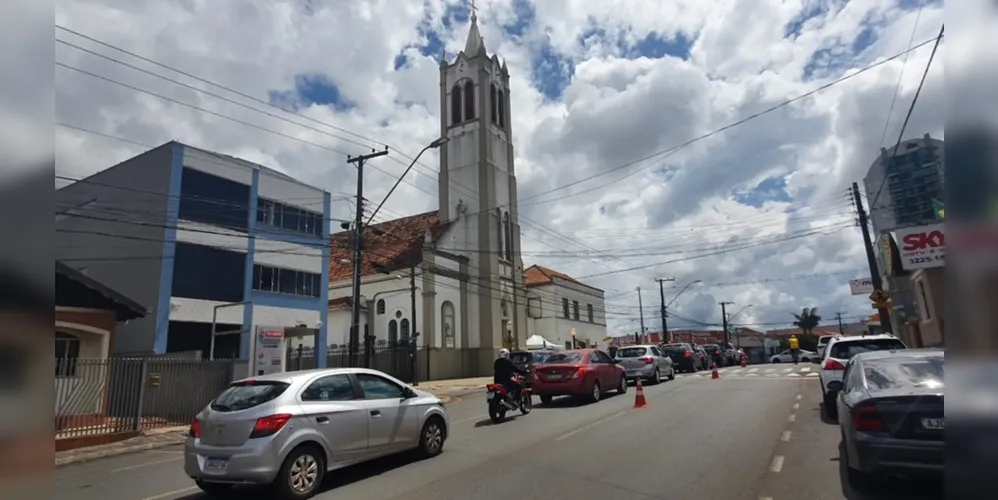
<point x="287" y="255"/>
<point x="553" y="326"/>
<point x="200" y="311"/>
<point x="221" y="166"/>
<point x="449" y="290"/>
<point x="396" y="294"/>
<point x="213" y="236"/>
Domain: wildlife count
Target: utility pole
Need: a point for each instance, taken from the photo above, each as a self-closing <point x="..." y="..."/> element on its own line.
<point x="724" y="318"/>
<point x="665" y="323"/>
<point x="414" y="334"/>
<point x="871" y="259"/>
<point x="641" y="311"/>
<point x="358" y="249"/>
<point x="838" y="316"/>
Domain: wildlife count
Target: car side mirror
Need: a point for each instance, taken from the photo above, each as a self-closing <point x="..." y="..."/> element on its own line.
<point x="409" y="393"/>
<point x="835" y="385"/>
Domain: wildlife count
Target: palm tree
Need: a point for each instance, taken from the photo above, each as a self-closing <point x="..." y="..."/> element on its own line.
<point x="807" y="319"/>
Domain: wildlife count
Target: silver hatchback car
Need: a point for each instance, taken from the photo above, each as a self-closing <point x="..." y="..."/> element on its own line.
<point x="645" y="362"/>
<point x="287" y="430"/>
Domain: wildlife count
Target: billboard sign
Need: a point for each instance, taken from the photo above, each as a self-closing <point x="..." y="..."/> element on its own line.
<point x="922" y="247"/>
<point x="861" y="286"/>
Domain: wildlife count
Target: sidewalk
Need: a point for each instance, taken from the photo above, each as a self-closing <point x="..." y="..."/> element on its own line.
<point x="161" y="438"/>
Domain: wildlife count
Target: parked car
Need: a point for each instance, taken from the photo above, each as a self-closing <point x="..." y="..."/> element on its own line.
<point x="645" y="362"/>
<point x="289" y="429"/>
<point x="581" y="372"/>
<point x="786" y="357"/>
<point x="685" y="358"/>
<point x="730" y="353"/>
<point x="716" y="355"/>
<point x="839" y="351"/>
<point x="528" y="360"/>
<point x="822" y="343"/>
<point x="701" y="353"/>
<point x="891" y="413"/>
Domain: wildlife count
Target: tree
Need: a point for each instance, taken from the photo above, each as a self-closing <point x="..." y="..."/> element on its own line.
<point x="807" y="319"/>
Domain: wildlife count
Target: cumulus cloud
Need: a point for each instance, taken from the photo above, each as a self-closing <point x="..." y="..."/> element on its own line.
<point x="758" y="213"/>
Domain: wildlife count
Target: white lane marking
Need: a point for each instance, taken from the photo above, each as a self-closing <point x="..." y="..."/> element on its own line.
<point x="171" y="493"/>
<point x="792" y="418"/>
<point x="787" y="370"/>
<point x="146" y="464"/>
<point x="777" y="464"/>
<point x="785" y="436"/>
<point x="765" y="498"/>
<point x="798" y="397"/>
<point x="812" y="374"/>
<point x="590" y="426"/>
<point x="793" y="375"/>
<point x="796" y="406"/>
<point x="753" y="370"/>
<point x="805" y="369"/>
<point x="769" y="370"/>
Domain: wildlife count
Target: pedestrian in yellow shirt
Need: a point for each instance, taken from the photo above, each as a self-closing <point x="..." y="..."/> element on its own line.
<point x="794" y="348"/>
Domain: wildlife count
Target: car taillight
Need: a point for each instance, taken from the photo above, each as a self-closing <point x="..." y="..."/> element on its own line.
<point x="717" y="351"/>
<point x="580" y="372"/>
<point x="648" y="360"/>
<point x="831" y="364"/>
<point x="195" y="431"/>
<point x="866" y="419"/>
<point x="268" y="426"/>
<point x="688" y="354"/>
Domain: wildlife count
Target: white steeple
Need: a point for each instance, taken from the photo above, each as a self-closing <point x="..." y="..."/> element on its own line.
<point x="475" y="41"/>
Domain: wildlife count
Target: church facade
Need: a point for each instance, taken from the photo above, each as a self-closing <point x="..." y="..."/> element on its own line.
<point x="470" y="299"/>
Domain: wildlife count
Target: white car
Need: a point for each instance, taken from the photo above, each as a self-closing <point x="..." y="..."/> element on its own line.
<point x="837" y="354"/>
<point x="786" y="357"/>
<point x="822" y="343"/>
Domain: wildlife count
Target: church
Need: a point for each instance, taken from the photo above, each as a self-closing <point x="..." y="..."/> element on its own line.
<point x="472" y="294"/>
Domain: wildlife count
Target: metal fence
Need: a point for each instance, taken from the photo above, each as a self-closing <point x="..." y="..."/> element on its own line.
<point x="395" y="360"/>
<point x="114" y="395"/>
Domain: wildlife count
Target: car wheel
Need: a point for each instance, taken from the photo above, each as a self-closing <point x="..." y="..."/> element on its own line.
<point x="805" y="360"/>
<point x="545" y="399"/>
<point x="831" y="409"/>
<point x="213" y="488"/>
<point x="301" y="474"/>
<point x="656" y="377"/>
<point x="597" y="393"/>
<point x="672" y="374"/>
<point x="622" y="386"/>
<point x="775" y="360"/>
<point x="431" y="439"/>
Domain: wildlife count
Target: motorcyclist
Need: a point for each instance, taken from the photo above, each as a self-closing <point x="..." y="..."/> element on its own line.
<point x="502" y="374"/>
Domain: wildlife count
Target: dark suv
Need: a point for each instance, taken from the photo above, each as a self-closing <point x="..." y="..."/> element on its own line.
<point x="526" y="360"/>
<point x="716" y="354"/>
<point x="684" y="357"/>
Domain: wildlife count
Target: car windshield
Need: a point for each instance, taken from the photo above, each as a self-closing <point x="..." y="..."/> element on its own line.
<point x="904" y="372"/>
<point x="631" y="352"/>
<point x="245" y="395"/>
<point x="564" y="357"/>
<point x="848" y="349"/>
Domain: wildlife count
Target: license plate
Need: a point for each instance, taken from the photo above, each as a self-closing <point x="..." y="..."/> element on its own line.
<point x="554" y="376"/>
<point x="935" y="424"/>
<point x="216" y="464"/>
<point x="490" y="396"/>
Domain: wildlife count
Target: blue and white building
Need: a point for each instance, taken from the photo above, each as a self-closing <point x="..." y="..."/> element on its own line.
<point x="183" y="230"/>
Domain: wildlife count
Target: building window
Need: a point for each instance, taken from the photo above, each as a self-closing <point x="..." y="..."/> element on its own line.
<point x="469" y="100"/>
<point x="501" y="232"/>
<point x="381" y="306"/>
<point x="67" y="352"/>
<point x="211" y="199"/>
<point x="575" y="310"/>
<point x="508" y="231"/>
<point x="455" y="105"/>
<point x="277" y="214"/>
<point x="501" y="105"/>
<point x="287" y="281"/>
<point x="492" y="103"/>
<point x="393" y="332"/>
<point x="589" y="313"/>
<point x="447" y="317"/>
<point x="564" y="307"/>
<point x="208" y="273"/>
<point x="404" y="328"/>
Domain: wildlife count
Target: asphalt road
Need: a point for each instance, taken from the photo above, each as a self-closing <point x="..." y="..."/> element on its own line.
<point x="732" y="438"/>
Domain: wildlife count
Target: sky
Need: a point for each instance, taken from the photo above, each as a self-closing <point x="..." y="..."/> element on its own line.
<point x="602" y="93"/>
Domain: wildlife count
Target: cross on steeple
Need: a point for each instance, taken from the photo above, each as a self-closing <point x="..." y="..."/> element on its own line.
<point x="474" y="11"/>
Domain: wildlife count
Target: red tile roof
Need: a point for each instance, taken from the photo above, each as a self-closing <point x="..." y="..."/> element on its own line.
<point x="538" y="275"/>
<point x="393" y="244"/>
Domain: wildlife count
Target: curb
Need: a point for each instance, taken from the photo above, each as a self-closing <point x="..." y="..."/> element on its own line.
<point x="118" y="451"/>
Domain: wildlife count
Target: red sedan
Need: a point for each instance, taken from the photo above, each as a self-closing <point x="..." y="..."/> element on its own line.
<point x="584" y="372"/>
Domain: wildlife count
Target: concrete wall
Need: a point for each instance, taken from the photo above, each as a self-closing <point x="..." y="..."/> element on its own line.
<point x="118" y="239"/>
<point x="930" y="291"/>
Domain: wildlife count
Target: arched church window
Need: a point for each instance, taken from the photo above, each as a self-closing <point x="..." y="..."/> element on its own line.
<point x="500" y="233"/>
<point x="455" y="105"/>
<point x="447" y="321"/>
<point x="381" y="306"/>
<point x="504" y="308"/>
<point x="393" y="332"/>
<point x="492" y="103"/>
<point x="404" y="328"/>
<point x="501" y="105"/>
<point x="469" y="100"/>
<point x="508" y="230"/>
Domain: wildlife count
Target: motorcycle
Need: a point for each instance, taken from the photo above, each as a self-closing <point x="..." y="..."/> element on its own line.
<point x="499" y="401"/>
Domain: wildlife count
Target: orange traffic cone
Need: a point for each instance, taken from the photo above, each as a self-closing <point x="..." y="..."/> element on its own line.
<point x="713" y="373"/>
<point x="639" y="396"/>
